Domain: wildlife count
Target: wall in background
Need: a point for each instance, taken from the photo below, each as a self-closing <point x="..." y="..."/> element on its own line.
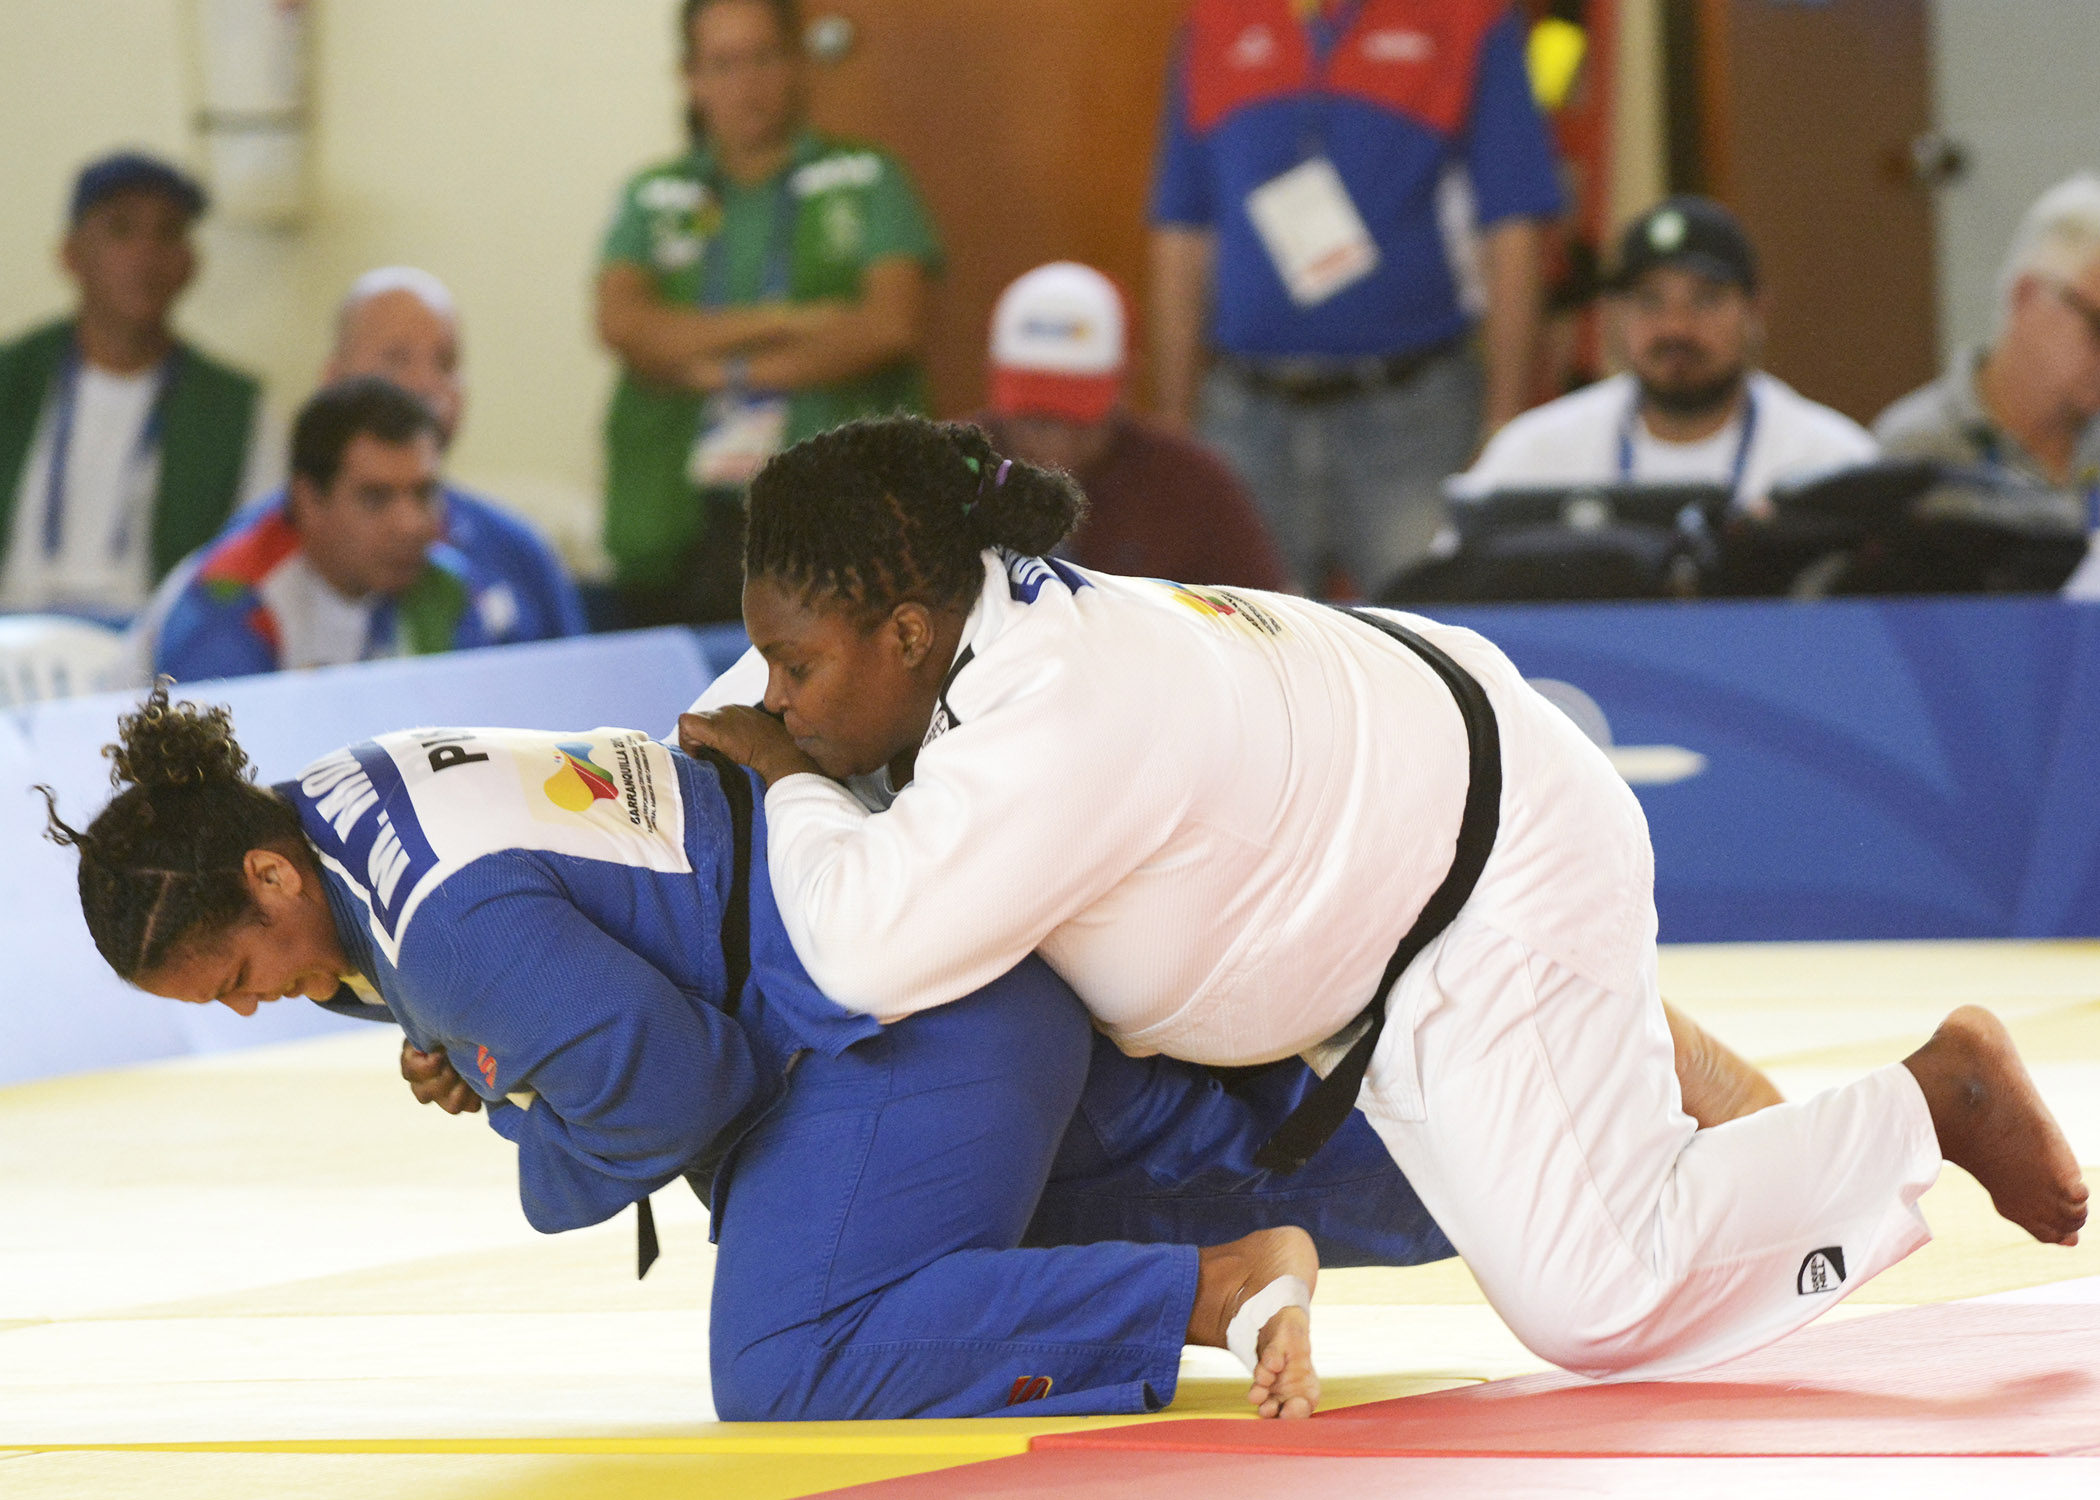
<point x="2012" y="88"/>
<point x="483" y="139"/>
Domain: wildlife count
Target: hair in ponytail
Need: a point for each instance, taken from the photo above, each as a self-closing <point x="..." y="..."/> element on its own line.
<point x="165" y="863"/>
<point x="891" y="509"/>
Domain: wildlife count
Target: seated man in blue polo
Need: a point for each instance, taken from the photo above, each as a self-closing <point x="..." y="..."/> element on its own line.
<point x="351" y="566"/>
<point x="400" y="322"/>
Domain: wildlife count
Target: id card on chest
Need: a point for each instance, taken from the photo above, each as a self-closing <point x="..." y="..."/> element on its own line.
<point x="1313" y="232"/>
<point x="738" y="433"/>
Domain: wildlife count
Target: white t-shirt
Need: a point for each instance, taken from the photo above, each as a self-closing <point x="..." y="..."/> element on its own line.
<point x="1575" y="440"/>
<point x="104" y="561"/>
<point x="1214" y="812"/>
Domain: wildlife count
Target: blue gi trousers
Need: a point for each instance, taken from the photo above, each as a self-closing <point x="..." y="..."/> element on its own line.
<point x="882" y="1251"/>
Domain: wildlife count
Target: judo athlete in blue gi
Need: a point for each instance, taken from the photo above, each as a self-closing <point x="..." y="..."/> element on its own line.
<point x="941" y="1217"/>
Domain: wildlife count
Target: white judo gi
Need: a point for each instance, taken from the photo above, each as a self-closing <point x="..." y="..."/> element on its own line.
<point x="1216" y="812"/>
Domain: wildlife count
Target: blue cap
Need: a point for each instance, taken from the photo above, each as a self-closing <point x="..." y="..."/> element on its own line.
<point x="129" y="171"/>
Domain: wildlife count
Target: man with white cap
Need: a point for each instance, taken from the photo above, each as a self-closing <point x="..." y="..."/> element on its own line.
<point x="1159" y="505"/>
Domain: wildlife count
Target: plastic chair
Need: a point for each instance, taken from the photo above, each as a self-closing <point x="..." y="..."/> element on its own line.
<point x="43" y="657"/>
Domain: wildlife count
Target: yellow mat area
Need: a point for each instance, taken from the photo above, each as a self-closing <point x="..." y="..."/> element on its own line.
<point x="271" y="1274"/>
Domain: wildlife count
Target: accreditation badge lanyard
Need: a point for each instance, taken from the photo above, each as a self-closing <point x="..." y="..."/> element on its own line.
<point x="67" y="399"/>
<point x="740" y="430"/>
<point x="1314" y="234"/>
<point x="1736" y="470"/>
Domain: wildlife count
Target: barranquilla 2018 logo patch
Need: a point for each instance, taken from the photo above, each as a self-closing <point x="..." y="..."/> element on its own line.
<point x="579" y="781"/>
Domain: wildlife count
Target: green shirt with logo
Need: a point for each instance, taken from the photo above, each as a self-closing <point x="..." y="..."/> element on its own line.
<point x="847" y="206"/>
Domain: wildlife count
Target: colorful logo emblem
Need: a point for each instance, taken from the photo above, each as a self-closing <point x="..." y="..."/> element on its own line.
<point x="486" y="1065"/>
<point x="579" y="783"/>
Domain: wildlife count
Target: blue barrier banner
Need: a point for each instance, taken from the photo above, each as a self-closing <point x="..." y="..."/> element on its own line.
<point x="1843" y="769"/>
<point x="62" y="1010"/>
<point x="1924" y="768"/>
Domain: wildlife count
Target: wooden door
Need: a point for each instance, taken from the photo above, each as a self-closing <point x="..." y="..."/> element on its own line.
<point x="1029" y="125"/>
<point x="1807" y="111"/>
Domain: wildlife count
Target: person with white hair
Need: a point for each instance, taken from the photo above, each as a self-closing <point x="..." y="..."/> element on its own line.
<point x="400" y="322"/>
<point x="2028" y="404"/>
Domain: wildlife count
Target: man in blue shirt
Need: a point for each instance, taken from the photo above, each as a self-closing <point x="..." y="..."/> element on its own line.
<point x="1344" y="188"/>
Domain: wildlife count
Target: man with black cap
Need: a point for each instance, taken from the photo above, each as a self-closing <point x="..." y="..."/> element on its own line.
<point x="1692" y="408"/>
<point x="122" y="448"/>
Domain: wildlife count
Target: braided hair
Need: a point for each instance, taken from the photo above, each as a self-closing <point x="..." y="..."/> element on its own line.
<point x="164" y="863"/>
<point x="894" y="509"/>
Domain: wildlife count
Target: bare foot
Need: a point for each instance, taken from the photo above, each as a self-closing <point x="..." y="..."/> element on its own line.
<point x="1716" y="1085"/>
<point x="1992" y="1122"/>
<point x="1285" y="1383"/>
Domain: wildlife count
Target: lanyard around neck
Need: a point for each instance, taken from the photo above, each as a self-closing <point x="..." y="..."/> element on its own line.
<point x="66" y="400"/>
<point x="777" y="277"/>
<point x="1742" y="443"/>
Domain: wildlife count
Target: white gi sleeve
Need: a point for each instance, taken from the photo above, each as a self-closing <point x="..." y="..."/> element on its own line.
<point x="745" y="682"/>
<point x="1051" y="790"/>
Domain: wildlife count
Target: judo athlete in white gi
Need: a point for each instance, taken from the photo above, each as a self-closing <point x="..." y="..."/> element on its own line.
<point x="936" y="1218"/>
<point x="1217" y="814"/>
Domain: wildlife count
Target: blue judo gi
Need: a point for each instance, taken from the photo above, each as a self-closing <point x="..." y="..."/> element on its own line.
<point x="983" y="1208"/>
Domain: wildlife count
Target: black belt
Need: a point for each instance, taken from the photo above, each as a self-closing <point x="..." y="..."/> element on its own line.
<point x="1321" y="1113"/>
<point x="1314" y="381"/>
<point x="736" y="950"/>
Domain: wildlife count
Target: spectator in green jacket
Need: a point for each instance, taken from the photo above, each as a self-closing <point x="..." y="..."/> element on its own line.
<point x="769" y="283"/>
<point x="122" y="448"/>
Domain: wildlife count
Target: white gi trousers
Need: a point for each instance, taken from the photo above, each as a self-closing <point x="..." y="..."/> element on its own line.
<point x="1537" y="1114"/>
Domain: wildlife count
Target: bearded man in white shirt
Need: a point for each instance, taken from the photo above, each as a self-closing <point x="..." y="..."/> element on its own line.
<point x="1692" y="407"/>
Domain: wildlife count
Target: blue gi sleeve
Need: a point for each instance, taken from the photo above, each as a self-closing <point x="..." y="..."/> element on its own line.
<point x="633" y="1077"/>
<point x="1508" y="151"/>
<point x="1181" y="176"/>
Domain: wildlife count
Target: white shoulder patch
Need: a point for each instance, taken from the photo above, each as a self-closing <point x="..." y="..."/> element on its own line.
<point x="858" y="169"/>
<point x="670" y="195"/>
<point x="396" y="815"/>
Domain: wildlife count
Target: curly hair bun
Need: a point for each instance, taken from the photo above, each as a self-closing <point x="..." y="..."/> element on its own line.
<point x="1029" y="510"/>
<point x="167" y="744"/>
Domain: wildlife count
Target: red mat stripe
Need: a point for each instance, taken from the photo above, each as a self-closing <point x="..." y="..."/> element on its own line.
<point x="1969" y="1379"/>
<point x="1112" y="1475"/>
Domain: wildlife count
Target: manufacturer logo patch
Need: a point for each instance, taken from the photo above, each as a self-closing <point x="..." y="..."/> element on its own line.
<point x="1028" y="1388"/>
<point x="486" y="1064"/>
<point x="1822" y="1271"/>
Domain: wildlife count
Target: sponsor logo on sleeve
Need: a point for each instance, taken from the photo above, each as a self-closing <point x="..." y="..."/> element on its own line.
<point x="486" y="1066"/>
<point x="1256" y="47"/>
<point x="1397" y="45"/>
<point x="1223" y="607"/>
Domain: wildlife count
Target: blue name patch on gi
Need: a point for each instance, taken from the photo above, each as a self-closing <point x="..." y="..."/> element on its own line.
<point x="359" y="814"/>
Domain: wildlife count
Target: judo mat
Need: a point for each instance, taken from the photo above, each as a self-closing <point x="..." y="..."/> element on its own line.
<point x="1970" y="1378"/>
<point x="271" y="1274"/>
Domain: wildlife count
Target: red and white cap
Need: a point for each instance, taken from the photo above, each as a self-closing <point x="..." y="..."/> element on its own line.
<point x="1059" y="342"/>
